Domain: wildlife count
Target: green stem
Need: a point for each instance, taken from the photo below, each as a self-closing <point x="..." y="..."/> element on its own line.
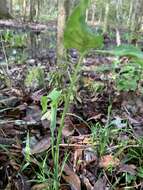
<point x="66" y="106"/>
<point x="53" y="126"/>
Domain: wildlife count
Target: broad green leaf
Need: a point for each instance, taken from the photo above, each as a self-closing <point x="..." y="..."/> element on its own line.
<point x="128" y="50"/>
<point x="77" y="33"/>
<point x="134" y="53"/>
<point x="54" y="96"/>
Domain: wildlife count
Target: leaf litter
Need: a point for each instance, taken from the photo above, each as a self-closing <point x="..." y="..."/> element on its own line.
<point x="103" y="148"/>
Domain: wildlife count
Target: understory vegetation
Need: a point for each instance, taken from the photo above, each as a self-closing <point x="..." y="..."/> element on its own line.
<point x="71" y="95"/>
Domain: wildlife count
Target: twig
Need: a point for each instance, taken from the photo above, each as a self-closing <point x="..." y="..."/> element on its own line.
<point x="75" y="145"/>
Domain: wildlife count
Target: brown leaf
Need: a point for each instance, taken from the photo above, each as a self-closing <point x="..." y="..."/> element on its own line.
<point x="90" y="156"/>
<point x="36" y="96"/>
<point x="108" y="160"/>
<point x="95" y="117"/>
<point x="68" y="129"/>
<point x="33" y="113"/>
<point x="71" y="178"/>
<point x="82" y="128"/>
<point x="87" y="183"/>
<point x="100" y="184"/>
<point x="40" y="186"/>
<point x="11" y="101"/>
<point x="77" y="158"/>
<point x="41" y="146"/>
<point x="131" y="169"/>
<point x="20" y="182"/>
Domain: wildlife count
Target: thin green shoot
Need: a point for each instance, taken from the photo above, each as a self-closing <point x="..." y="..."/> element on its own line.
<point x="27" y="148"/>
<point x="66" y="106"/>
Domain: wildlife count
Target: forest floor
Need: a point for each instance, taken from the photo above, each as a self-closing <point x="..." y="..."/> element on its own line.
<point x="102" y="139"/>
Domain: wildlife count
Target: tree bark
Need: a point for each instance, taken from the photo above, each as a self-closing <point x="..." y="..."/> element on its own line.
<point x="130" y="14"/>
<point x="60" y="28"/>
<point x="32" y="10"/>
<point x="105" y="25"/>
<point x="64" y="10"/>
<point x="4" y="10"/>
<point x="137" y="16"/>
<point x="11" y="7"/>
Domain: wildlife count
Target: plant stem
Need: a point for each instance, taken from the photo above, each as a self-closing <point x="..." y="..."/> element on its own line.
<point x="66" y="106"/>
<point x="53" y="125"/>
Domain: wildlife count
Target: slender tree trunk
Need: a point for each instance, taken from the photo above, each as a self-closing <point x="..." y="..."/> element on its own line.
<point x="32" y="10"/>
<point x="130" y="13"/>
<point x="11" y="7"/>
<point x="64" y="10"/>
<point x="4" y="10"/>
<point x="93" y="14"/>
<point x="118" y="37"/>
<point x="38" y="10"/>
<point x="119" y="14"/>
<point x="136" y="20"/>
<point x="105" y="25"/>
<point x="67" y="7"/>
<point x="24" y="9"/>
<point x="137" y="15"/>
<point x="60" y="27"/>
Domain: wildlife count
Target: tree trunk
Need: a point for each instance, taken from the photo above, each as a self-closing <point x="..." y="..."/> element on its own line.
<point x="118" y="37"/>
<point x="4" y="10"/>
<point x="38" y="10"/>
<point x="32" y="10"/>
<point x="24" y="10"/>
<point x="11" y="7"/>
<point x="137" y="16"/>
<point x="105" y="25"/>
<point x="130" y="14"/>
<point x="60" y="28"/>
<point x="64" y="10"/>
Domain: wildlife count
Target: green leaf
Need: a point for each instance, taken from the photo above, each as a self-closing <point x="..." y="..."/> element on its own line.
<point x="134" y="53"/>
<point x="128" y="78"/>
<point x="44" y="101"/>
<point x="54" y="96"/>
<point x="77" y="33"/>
<point x="127" y="50"/>
<point x="46" y="115"/>
<point x="140" y="172"/>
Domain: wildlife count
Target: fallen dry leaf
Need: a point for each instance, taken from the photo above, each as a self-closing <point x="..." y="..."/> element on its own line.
<point x="77" y="159"/>
<point x="40" y="186"/>
<point x="71" y="178"/>
<point x="129" y="168"/>
<point x="42" y="145"/>
<point x="87" y="183"/>
<point x="90" y="156"/>
<point x="68" y="129"/>
<point x="82" y="128"/>
<point x="108" y="161"/>
<point x="100" y="184"/>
